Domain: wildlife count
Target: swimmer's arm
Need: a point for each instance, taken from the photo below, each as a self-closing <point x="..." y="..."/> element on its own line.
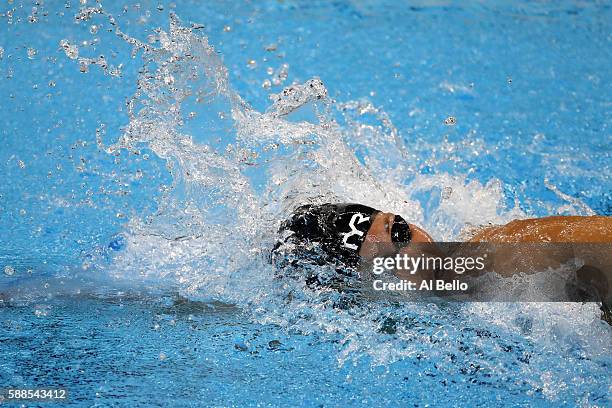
<point x="576" y="229"/>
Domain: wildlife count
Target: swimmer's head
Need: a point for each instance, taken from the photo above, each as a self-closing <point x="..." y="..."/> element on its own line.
<point x="343" y="233"/>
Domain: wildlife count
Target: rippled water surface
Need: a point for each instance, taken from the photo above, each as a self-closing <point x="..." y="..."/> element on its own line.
<point x="150" y="151"/>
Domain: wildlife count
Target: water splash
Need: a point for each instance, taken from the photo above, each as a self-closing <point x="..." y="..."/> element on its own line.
<point x="216" y="223"/>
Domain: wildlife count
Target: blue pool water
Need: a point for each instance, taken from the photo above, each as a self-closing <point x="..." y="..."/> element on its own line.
<point x="148" y="155"/>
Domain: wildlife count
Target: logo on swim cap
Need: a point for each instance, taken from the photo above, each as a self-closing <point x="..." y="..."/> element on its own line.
<point x="335" y="231"/>
<point x="354" y="231"/>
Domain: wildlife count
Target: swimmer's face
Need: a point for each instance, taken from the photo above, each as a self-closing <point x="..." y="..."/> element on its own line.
<point x="380" y="239"/>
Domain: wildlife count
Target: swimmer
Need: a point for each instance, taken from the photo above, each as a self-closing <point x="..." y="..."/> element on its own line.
<point x="351" y="236"/>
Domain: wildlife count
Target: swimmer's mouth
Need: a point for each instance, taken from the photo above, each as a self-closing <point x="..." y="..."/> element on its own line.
<point x="400" y="231"/>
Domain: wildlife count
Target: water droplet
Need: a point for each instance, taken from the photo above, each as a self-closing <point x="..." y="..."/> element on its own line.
<point x="271" y="47"/>
<point x="162" y="356"/>
<point x="509" y="80"/>
<point x="266" y="84"/>
<point x="1" y="52"/>
<point x="281" y="74"/>
<point x="192" y="115"/>
<point x="450" y="121"/>
<point x="270" y="70"/>
<point x="72" y="51"/>
<point x="21" y="164"/>
<point x="447" y="192"/>
<point x="227" y="29"/>
<point x="51" y="84"/>
<point x="22" y="212"/>
<point x="160" y="7"/>
<point x="252" y="64"/>
<point x="93" y="29"/>
<point x="32" y="53"/>
<point x="41" y="311"/>
<point x="9" y="270"/>
<point x="115" y="71"/>
<point x="169" y="80"/>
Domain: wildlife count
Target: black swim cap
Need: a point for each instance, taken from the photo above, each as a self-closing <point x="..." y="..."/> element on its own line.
<point x="338" y="229"/>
